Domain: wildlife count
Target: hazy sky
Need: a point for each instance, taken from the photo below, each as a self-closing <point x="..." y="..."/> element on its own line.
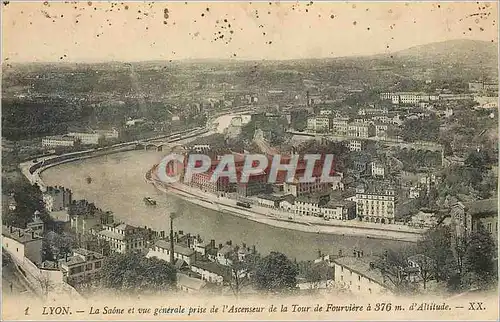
<point x="134" y="31"/>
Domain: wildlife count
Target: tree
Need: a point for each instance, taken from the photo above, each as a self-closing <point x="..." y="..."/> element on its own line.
<point x="58" y="244"/>
<point x="276" y="273"/>
<point x="241" y="270"/>
<point x="436" y="244"/>
<point x="315" y="273"/>
<point x="479" y="254"/>
<point x="478" y="160"/>
<point x="134" y="273"/>
<point x="28" y="200"/>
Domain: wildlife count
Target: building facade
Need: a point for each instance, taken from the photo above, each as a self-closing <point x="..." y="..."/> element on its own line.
<point x="360" y="276"/>
<point x="59" y="141"/>
<point x="57" y="198"/>
<point x="82" y="267"/>
<point x="376" y="203"/>
<point x="123" y="238"/>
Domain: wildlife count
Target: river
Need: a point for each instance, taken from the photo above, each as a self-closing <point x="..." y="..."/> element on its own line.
<point x="118" y="185"/>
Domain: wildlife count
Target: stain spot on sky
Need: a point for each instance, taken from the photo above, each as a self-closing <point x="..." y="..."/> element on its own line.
<point x="332" y="16"/>
<point x="354" y="23"/>
<point x="6" y="3"/>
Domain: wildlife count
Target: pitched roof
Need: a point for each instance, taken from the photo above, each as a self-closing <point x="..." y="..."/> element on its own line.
<point x="482" y="207"/>
<point x="225" y="249"/>
<point x="21" y="235"/>
<point x="179" y="249"/>
<point x="361" y="266"/>
<point x="213" y="267"/>
<point x="189" y="282"/>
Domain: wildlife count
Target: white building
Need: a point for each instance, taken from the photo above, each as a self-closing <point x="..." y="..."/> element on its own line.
<point x="339" y="126"/>
<point x="211" y="272"/>
<point x="360" y="275"/>
<point x="161" y="250"/>
<point x="376" y="203"/>
<point x="59" y="140"/>
<point x="87" y="138"/>
<point x="354" y="145"/>
<point x="122" y="238"/>
<point x="318" y="124"/>
<point x="189" y="284"/>
<point x="377" y="169"/>
<point x="21" y="243"/>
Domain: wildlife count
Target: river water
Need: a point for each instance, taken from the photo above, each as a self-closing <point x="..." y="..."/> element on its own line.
<point x="118" y="185"/>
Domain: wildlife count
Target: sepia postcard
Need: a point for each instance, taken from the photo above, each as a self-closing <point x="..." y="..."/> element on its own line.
<point x="197" y="160"/>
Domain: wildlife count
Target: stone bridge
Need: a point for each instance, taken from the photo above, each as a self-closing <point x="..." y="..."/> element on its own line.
<point x="160" y="146"/>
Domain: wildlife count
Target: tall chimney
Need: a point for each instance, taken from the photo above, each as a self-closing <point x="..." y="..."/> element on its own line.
<point x="171" y="240"/>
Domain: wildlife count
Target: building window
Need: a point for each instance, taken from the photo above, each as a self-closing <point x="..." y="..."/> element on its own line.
<point x="370" y="290"/>
<point x="341" y="277"/>
<point x="89" y="267"/>
<point x="359" y="287"/>
<point x="489" y="227"/>
<point x="342" y="268"/>
<point x="98" y="265"/>
<point x="359" y="278"/>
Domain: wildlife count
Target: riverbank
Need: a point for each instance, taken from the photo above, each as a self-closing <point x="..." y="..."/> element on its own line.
<point x="272" y="218"/>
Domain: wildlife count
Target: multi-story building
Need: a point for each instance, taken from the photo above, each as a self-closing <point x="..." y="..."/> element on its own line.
<point x="21" y="243"/>
<point x="467" y="217"/>
<point x="339" y="126"/>
<point x="257" y="184"/>
<point x="109" y="134"/>
<point x="361" y="276"/>
<point x="339" y="210"/>
<point x="377" y="169"/>
<point x="354" y="145"/>
<point x="88" y="138"/>
<point x="123" y="238"/>
<point x="161" y="250"/>
<point x="360" y="130"/>
<point x="82" y="267"/>
<point x="405" y="98"/>
<point x="57" y="198"/>
<point x="373" y="111"/>
<point x="381" y="130"/>
<point x="297" y="188"/>
<point x="310" y="204"/>
<point x="318" y="123"/>
<point x="376" y="202"/>
<point x="59" y="141"/>
<point x="84" y="223"/>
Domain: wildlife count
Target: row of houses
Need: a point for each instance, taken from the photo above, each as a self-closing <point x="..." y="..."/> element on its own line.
<point x="364" y="127"/>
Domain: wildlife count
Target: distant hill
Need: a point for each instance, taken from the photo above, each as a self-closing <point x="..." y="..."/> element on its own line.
<point x="461" y="52"/>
